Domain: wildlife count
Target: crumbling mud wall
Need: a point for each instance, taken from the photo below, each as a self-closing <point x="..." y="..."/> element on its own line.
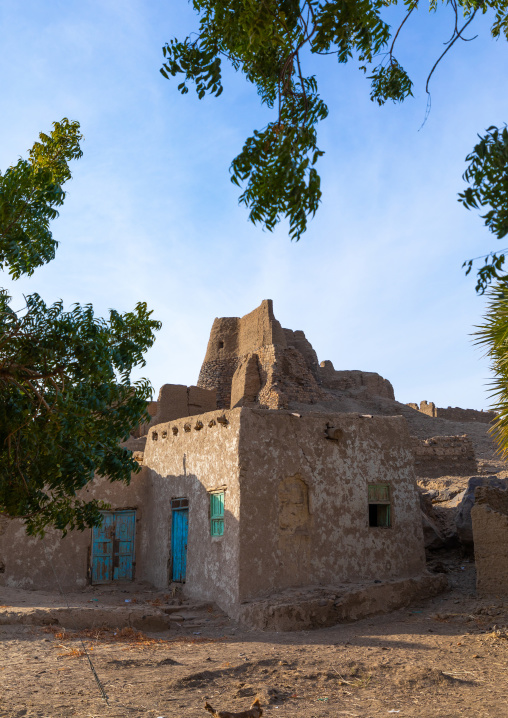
<point x="252" y="361"/>
<point x="444" y="455"/>
<point x="457" y="414"/>
<point x="176" y="401"/>
<point x="427" y="407"/>
<point x="369" y="382"/>
<point x="255" y="353"/>
<point x="453" y="413"/>
<point x="490" y="532"/>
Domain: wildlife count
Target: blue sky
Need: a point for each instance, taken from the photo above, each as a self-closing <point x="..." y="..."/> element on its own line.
<point x="375" y="283"/>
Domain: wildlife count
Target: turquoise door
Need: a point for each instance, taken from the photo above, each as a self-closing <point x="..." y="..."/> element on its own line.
<point x="179" y="533"/>
<point x="113" y="547"/>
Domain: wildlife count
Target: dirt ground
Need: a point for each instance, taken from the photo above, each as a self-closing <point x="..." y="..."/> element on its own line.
<point x="444" y="657"/>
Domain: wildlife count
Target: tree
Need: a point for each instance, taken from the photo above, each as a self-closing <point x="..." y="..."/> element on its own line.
<point x="29" y="193"/>
<point x="487" y="175"/>
<point x="267" y="40"/>
<point x="66" y="399"/>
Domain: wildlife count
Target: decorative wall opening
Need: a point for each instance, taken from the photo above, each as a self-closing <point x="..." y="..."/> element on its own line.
<point x="293" y="505"/>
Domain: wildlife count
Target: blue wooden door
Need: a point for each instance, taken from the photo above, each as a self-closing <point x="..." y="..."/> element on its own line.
<point x="113" y="547"/>
<point x="179" y="532"/>
<point x="102" y="549"/>
<point x="123" y="546"/>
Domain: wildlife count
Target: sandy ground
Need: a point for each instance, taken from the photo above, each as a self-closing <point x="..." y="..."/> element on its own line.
<point x="444" y="657"/>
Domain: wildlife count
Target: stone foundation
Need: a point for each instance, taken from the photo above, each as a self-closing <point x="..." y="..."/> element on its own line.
<point x="314" y="608"/>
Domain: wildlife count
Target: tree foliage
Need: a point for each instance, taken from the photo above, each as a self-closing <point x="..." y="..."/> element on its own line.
<point x="487" y="175"/>
<point x="492" y="335"/>
<point x="30" y="191"/>
<point x="66" y="398"/>
<point x="268" y="41"/>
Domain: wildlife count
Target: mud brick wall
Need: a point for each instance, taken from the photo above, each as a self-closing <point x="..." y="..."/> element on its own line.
<point x="218" y="374"/>
<point x="286" y="362"/>
<point x="285" y="377"/>
<point x="441" y="455"/>
<point x="489" y="516"/>
<point x="176" y="401"/>
<point x="368" y="381"/>
<point x="453" y="413"/>
<point x="457" y="414"/>
<point x="497" y="499"/>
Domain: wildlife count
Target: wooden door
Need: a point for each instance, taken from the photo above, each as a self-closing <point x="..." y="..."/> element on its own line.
<point x="113" y="547"/>
<point x="179" y="533"/>
<point x="123" y="546"/>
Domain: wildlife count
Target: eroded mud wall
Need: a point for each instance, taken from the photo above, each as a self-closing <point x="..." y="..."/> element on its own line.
<point x="490" y="533"/>
<point x="304" y="501"/>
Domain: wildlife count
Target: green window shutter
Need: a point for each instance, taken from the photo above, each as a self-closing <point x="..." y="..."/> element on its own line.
<point x="379" y="493"/>
<point x="217" y="513"/>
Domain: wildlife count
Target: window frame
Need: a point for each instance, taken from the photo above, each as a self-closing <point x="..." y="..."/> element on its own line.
<point x="217" y="513"/>
<point x="380" y="494"/>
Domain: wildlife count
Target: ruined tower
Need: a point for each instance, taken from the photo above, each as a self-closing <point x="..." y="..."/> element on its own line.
<point x="253" y="361"/>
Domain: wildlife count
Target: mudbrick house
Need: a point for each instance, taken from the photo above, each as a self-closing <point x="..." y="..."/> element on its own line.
<point x="267" y="488"/>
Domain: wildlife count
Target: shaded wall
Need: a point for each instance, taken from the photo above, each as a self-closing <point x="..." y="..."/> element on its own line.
<point x="27" y="562"/>
<point x="489" y="516"/>
<point x="201" y="456"/>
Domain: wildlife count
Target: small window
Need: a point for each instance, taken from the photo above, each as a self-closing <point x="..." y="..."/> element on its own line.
<point x="217" y="513"/>
<point x="221" y="345"/>
<point x="380" y="505"/>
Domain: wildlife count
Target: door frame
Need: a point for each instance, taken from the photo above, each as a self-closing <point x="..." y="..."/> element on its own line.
<point x="178" y="505"/>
